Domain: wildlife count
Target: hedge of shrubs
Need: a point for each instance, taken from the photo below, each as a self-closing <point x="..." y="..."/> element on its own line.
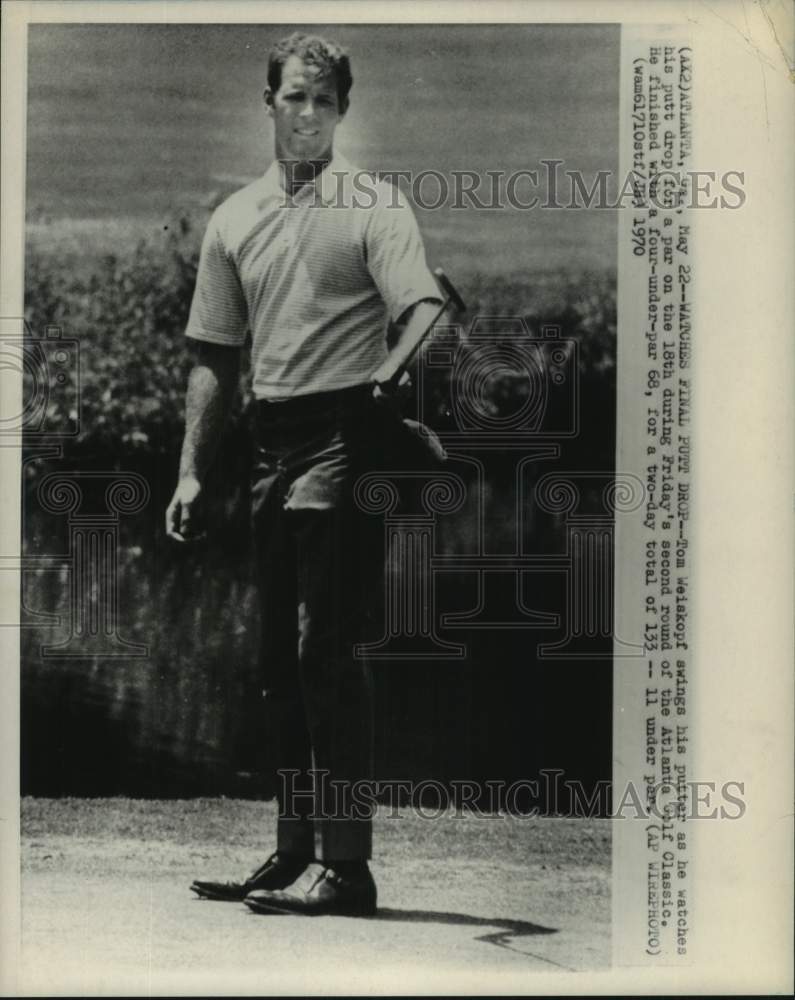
<point x="129" y="311"/>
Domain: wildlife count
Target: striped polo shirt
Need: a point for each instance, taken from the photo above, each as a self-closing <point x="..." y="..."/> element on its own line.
<point x="314" y="277"/>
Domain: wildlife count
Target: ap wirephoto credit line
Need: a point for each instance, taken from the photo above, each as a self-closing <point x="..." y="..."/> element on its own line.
<point x="365" y="595"/>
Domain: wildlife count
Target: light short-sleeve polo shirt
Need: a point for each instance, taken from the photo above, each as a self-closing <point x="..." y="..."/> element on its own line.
<point x="315" y="277"/>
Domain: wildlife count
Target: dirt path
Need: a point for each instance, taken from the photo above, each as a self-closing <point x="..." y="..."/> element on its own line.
<point x="106" y="905"/>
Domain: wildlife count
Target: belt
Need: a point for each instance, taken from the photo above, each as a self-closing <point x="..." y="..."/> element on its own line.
<point x="313" y="402"/>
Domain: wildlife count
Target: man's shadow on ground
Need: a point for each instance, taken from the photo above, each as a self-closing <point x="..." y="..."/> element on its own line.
<point x="509" y="930"/>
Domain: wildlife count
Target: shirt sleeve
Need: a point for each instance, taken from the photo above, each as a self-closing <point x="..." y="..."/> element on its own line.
<point x="218" y="311"/>
<point x="395" y="254"/>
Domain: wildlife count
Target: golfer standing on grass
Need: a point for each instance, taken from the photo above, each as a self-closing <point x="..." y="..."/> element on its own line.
<point x="313" y="264"/>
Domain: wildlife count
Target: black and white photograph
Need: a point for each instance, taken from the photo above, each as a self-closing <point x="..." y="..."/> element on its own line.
<point x="352" y="388"/>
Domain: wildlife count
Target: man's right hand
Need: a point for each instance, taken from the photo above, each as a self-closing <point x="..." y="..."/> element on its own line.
<point x="181" y="514"/>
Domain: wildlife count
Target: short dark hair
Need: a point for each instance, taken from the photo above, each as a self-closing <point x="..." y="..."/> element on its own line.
<point x="317" y="51"/>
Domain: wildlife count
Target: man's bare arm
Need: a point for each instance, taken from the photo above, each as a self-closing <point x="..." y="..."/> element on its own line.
<point x="411" y="325"/>
<point x="211" y="389"/>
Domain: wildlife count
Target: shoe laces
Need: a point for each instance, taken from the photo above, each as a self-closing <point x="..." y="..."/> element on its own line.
<point x="313" y="874"/>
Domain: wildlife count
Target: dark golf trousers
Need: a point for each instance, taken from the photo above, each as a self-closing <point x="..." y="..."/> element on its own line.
<point x="318" y="560"/>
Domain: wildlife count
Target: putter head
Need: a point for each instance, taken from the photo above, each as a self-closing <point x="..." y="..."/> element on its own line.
<point x="449" y="290"/>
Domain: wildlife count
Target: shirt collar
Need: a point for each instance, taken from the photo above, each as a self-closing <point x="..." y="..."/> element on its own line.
<point x="326" y="184"/>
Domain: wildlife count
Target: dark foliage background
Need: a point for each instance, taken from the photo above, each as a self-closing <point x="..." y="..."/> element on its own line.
<point x="186" y="720"/>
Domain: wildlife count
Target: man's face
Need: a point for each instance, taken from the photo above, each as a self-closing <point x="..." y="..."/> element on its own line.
<point x="305" y="111"/>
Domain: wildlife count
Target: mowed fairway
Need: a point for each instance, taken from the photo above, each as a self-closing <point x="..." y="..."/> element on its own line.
<point x="487" y="901"/>
<point x="137" y="122"/>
